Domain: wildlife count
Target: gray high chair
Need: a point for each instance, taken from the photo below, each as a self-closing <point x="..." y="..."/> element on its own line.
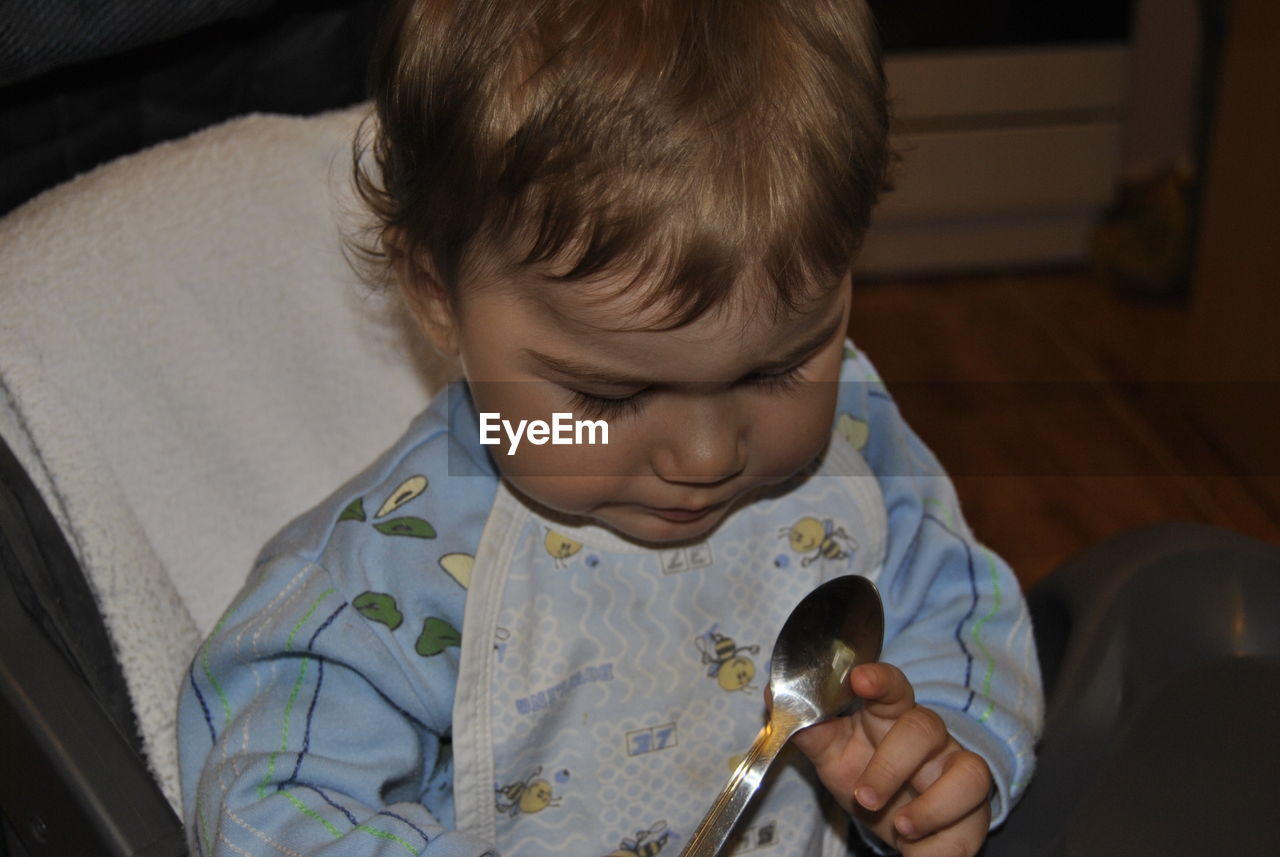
<point x="1160" y="650"/>
<point x="175" y="330"/>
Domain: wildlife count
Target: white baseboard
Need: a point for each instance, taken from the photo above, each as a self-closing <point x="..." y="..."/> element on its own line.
<point x="1008" y="158"/>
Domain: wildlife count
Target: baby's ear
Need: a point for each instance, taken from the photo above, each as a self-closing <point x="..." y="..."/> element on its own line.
<point x="424" y="295"/>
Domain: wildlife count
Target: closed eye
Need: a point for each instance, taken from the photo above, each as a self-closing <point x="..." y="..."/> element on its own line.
<point x="601" y="407"/>
<point x="618" y="407"/>
<point x="778" y="382"/>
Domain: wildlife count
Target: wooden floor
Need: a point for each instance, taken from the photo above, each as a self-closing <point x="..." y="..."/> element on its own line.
<point x="1059" y="409"/>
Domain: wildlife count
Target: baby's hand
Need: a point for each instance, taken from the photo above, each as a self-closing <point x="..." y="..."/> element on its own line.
<point x="893" y="764"/>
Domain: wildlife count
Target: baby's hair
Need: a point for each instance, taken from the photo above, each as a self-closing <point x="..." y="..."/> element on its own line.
<point x="680" y="141"/>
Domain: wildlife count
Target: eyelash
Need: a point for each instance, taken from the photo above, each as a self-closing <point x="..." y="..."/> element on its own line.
<point x="779" y="382"/>
<point x="599" y="407"/>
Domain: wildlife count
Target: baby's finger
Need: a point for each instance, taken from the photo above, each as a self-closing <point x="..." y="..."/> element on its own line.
<point x="961" y="840"/>
<point x="964" y="786"/>
<point x="916" y="736"/>
<point x="884" y="690"/>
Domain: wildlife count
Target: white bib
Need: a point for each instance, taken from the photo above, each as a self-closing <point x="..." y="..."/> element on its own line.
<point x="607" y="691"/>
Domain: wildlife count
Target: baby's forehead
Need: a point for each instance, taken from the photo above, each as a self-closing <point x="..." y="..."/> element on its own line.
<point x="627" y="301"/>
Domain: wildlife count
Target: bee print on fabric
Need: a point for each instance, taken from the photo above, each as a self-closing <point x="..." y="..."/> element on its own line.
<point x="725" y="660"/>
<point x="646" y="843"/>
<point x="529" y="795"/>
<point x="819" y="540"/>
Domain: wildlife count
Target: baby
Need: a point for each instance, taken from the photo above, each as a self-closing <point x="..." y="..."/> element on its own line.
<point x="539" y="624"/>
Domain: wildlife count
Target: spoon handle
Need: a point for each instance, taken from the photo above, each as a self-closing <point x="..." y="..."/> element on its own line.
<point x="718" y="823"/>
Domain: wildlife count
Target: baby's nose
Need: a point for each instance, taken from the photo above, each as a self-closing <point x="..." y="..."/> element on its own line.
<point x="705" y="447"/>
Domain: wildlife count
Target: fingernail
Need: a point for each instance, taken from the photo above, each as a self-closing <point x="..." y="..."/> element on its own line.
<point x="905" y="827"/>
<point x="867" y="797"/>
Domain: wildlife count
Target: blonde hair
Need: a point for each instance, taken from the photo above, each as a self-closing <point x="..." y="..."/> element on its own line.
<point x="685" y="141"/>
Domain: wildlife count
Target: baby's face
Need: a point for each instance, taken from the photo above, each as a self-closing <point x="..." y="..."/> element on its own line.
<point x="697" y="416"/>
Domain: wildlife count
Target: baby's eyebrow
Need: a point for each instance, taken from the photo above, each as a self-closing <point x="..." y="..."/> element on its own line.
<point x="802" y="350"/>
<point x="583" y="371"/>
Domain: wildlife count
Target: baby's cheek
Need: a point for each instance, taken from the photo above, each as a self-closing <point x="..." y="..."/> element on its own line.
<point x="787" y="441"/>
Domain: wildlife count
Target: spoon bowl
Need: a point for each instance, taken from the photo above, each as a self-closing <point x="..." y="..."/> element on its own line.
<point x="833" y="629"/>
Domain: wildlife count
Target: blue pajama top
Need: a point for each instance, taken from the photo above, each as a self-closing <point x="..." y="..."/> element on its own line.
<point x="426" y="664"/>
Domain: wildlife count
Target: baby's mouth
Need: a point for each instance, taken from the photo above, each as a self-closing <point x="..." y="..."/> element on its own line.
<point x="683" y="516"/>
<point x="689" y="514"/>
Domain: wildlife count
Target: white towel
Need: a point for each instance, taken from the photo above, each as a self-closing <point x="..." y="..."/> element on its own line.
<point x="187" y="362"/>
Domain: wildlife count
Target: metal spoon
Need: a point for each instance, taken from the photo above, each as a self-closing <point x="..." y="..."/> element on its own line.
<point x="833" y="629"/>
